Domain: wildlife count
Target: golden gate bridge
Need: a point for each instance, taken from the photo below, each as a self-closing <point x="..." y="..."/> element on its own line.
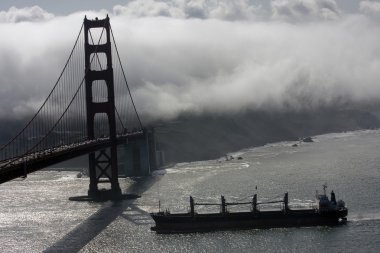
<point x="90" y="110"/>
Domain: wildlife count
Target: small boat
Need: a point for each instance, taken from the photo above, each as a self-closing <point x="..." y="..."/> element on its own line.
<point x="328" y="212"/>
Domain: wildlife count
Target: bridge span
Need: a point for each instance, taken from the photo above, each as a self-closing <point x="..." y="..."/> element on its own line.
<point x="21" y="166"/>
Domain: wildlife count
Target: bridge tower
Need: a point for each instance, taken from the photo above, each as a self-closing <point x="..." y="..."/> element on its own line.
<point x="102" y="164"/>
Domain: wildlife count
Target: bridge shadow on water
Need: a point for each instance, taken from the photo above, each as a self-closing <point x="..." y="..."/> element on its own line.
<point x="85" y="232"/>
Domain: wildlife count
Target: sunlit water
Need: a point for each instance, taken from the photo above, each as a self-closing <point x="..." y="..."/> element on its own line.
<point x="36" y="214"/>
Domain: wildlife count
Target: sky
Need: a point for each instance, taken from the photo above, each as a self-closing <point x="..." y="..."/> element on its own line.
<point x="201" y="55"/>
<point x="60" y="7"/>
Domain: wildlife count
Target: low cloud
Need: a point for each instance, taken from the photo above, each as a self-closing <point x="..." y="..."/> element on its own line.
<point x="212" y="56"/>
<point x="252" y="65"/>
<point x="15" y="15"/>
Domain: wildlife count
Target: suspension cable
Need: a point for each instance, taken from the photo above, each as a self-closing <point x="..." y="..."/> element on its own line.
<point x="67" y="108"/>
<point x="56" y="84"/>
<point x="125" y="79"/>
<point x="71" y="101"/>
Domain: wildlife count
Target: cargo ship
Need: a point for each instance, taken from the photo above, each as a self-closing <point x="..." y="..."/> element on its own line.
<point x="326" y="212"/>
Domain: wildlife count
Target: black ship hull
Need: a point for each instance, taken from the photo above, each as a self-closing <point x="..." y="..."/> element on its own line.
<point x="186" y="223"/>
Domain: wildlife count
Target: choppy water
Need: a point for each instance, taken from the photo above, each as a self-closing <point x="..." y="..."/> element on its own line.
<point x="36" y="215"/>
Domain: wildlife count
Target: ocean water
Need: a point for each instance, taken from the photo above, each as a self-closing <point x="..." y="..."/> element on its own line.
<point x="36" y="214"/>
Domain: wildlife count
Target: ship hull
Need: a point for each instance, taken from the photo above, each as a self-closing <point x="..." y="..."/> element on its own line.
<point x="185" y="223"/>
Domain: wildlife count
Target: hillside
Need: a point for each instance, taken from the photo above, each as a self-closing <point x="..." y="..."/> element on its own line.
<point x="209" y="136"/>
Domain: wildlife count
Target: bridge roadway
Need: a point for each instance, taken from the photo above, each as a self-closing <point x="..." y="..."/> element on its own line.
<point x="23" y="165"/>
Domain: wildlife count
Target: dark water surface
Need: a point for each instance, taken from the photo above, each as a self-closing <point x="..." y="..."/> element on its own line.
<point x="36" y="215"/>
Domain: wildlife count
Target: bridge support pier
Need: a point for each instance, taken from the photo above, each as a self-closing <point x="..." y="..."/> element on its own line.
<point x="102" y="168"/>
<point x="137" y="158"/>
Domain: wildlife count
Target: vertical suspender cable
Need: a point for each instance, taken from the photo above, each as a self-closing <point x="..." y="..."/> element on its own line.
<point x="125" y="79"/>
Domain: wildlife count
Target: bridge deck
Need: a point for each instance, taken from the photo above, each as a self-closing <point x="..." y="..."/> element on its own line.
<point x="23" y="165"/>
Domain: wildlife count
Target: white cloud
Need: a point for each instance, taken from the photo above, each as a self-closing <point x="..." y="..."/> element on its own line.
<point x="202" y="9"/>
<point x="216" y="65"/>
<point x="15" y="15"/>
<point x="234" y="10"/>
<point x="303" y="10"/>
<point x="148" y="8"/>
<point x="370" y="7"/>
<point x="204" y="64"/>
